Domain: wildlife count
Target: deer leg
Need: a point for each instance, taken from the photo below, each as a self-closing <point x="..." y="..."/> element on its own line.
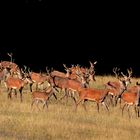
<point x="45" y="104"/>
<point x="74" y="99"/>
<point x="54" y="96"/>
<point x="138" y="111"/>
<point x="123" y="108"/>
<point x="80" y="100"/>
<point x="15" y="93"/>
<point x="110" y="99"/>
<point x="65" y="94"/>
<point x="32" y="104"/>
<point x="128" y="110"/>
<point x="105" y="105"/>
<point x="120" y="102"/>
<point x="37" y="104"/>
<point x="84" y="105"/>
<point x="9" y="93"/>
<point x="98" y="107"/>
<point x="30" y="85"/>
<point x="20" y="90"/>
<point x="36" y="86"/>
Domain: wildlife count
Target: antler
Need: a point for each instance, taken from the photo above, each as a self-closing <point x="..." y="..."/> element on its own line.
<point x="115" y="72"/>
<point x="10" y="54"/>
<point x="65" y="67"/>
<point x="129" y="72"/>
<point x="47" y="70"/>
<point x="92" y="64"/>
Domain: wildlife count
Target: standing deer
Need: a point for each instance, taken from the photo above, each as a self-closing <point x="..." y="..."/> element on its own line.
<point x="42" y="96"/>
<point x="96" y="95"/>
<point x="38" y="79"/>
<point x="118" y="87"/>
<point x="14" y="83"/>
<point x="132" y="98"/>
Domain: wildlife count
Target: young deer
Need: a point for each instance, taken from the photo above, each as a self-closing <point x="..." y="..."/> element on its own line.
<point x="42" y="96"/>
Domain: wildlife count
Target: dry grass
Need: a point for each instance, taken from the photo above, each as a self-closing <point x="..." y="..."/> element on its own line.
<point x="61" y="122"/>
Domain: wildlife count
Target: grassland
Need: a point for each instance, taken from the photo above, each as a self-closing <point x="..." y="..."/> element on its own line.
<point x="61" y="122"/>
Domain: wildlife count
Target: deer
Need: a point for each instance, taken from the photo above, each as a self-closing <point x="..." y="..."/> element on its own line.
<point x="10" y="65"/>
<point x="68" y="86"/>
<point x="132" y="98"/>
<point x="4" y="73"/>
<point x="92" y="71"/>
<point x="14" y="83"/>
<point x="37" y="78"/>
<point x="90" y="94"/>
<point x="118" y="87"/>
<point x="126" y="79"/>
<point x="42" y="96"/>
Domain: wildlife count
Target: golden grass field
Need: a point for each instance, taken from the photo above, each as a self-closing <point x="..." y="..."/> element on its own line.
<point x="61" y="122"/>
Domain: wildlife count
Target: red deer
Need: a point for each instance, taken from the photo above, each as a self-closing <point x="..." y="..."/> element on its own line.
<point x="58" y="73"/>
<point x="4" y="73"/>
<point x="10" y="65"/>
<point x="38" y="79"/>
<point x="65" y="84"/>
<point x="132" y="99"/>
<point x="118" y="87"/>
<point x="133" y="88"/>
<point x="15" y="83"/>
<point x="126" y="79"/>
<point x="92" y="71"/>
<point x="41" y="96"/>
<point x="96" y="95"/>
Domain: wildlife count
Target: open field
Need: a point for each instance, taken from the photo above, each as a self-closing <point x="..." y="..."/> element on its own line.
<point x="61" y="122"/>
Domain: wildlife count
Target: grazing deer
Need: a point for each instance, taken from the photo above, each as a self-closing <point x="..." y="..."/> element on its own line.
<point x="132" y="98"/>
<point x="42" y="96"/>
<point x="96" y="95"/>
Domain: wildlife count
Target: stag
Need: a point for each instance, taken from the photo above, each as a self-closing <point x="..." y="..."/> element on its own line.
<point x="118" y="87"/>
<point x="10" y="65"/>
<point x="66" y="85"/>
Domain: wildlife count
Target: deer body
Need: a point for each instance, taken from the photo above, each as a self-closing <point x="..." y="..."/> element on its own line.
<point x="15" y="83"/>
<point x="132" y="99"/>
<point x="41" y="96"/>
<point x="96" y="95"/>
<point x="37" y="78"/>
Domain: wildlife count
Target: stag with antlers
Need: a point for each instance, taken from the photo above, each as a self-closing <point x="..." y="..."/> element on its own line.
<point x="118" y="87"/>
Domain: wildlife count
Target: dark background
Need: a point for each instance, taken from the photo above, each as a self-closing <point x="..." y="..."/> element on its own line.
<point x="47" y="33"/>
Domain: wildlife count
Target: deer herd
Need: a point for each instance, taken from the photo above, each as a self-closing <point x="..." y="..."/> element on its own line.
<point x="74" y="83"/>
